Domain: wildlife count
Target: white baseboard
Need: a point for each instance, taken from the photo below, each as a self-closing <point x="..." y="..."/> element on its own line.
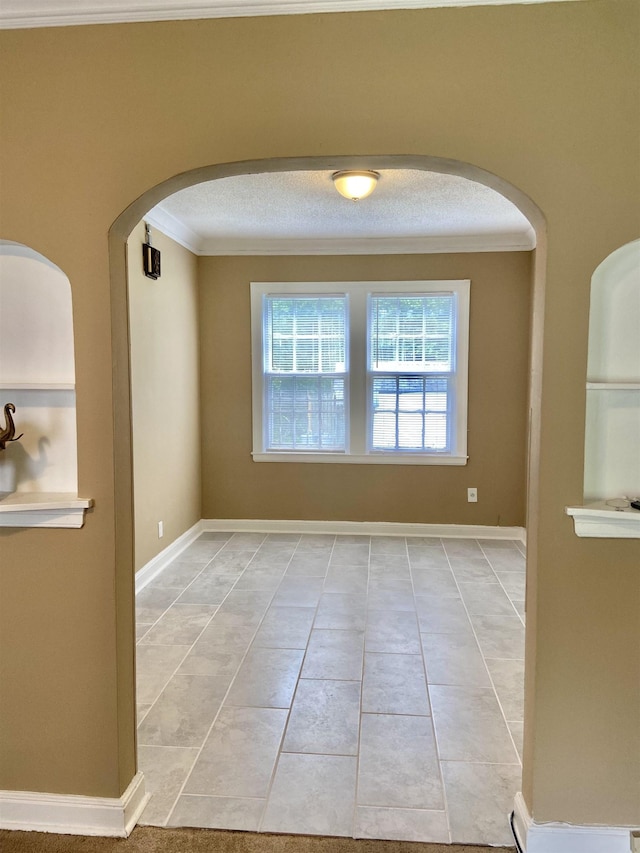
<point x="69" y="814"/>
<point x="367" y="528"/>
<point x="536" y="837"/>
<point x="153" y="568"/>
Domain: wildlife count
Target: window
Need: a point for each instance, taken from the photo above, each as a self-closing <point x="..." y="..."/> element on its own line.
<point x="360" y="372"/>
<point x="410" y="372"/>
<point x="305" y="372"/>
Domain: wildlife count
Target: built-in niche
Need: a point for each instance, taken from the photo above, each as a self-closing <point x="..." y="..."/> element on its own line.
<point x="612" y="429"/>
<point x="38" y="473"/>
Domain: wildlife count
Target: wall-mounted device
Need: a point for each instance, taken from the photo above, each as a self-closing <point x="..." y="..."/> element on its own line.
<point x="150" y="257"/>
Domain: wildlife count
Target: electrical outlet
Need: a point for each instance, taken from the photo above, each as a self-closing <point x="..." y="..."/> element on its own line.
<point x="472" y="496"/>
<point x="160" y="529"/>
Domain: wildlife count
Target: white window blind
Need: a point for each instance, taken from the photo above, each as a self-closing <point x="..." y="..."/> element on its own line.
<point x="304" y="359"/>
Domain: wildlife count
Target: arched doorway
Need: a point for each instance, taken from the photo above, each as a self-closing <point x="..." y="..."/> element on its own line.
<point x="136" y="211"/>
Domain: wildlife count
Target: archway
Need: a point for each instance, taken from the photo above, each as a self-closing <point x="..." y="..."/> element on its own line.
<point x="136" y="211"/>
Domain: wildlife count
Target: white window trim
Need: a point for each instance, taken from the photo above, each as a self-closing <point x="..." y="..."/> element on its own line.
<point x="356" y="418"/>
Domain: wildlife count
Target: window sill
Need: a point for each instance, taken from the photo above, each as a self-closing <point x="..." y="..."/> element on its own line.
<point x="40" y="509"/>
<point x="363" y="459"/>
<point x="601" y="521"/>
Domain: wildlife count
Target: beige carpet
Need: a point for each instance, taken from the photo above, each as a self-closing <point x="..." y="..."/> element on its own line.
<point x="148" y="839"/>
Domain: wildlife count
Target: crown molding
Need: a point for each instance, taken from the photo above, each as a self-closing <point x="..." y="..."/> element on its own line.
<point x="212" y="247"/>
<point x="174" y="229"/>
<point x="372" y="245"/>
<point x="27" y="14"/>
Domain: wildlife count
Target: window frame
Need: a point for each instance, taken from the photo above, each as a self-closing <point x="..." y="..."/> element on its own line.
<point x="357" y="415"/>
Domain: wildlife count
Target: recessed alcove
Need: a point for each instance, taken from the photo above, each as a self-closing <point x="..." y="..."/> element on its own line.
<point x="612" y="430"/>
<point x="38" y="473"/>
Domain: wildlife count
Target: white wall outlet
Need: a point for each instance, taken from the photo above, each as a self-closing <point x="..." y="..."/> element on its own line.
<point x="472" y="496"/>
<point x="160" y="529"/>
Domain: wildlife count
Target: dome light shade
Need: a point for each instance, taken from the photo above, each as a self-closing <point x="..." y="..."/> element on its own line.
<point x="355" y="185"/>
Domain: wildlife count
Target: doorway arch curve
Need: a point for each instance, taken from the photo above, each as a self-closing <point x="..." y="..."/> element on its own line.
<point x="125" y="223"/>
<point x="118" y="235"/>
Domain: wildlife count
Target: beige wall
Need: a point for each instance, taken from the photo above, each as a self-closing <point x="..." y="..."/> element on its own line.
<point x="236" y="487"/>
<point x="165" y="394"/>
<point x="543" y="96"/>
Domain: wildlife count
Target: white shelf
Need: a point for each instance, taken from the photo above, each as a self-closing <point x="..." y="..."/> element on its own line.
<point x="601" y="521"/>
<point x="42" y="509"/>
<point x="613" y="386"/>
<point x="36" y="386"/>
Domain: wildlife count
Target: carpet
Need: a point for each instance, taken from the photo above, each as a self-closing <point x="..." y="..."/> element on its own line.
<point x="151" y="839"/>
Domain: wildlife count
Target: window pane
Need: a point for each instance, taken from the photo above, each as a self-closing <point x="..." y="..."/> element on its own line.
<point x="435" y="399"/>
<point x="410" y="431"/>
<point x="306" y="354"/>
<point x="305" y="413"/>
<point x="412" y="333"/>
<point x="410" y="413"/>
<point x="384" y="431"/>
<point x="304" y="334"/>
<point x="282" y="353"/>
<point x="435" y="430"/>
<point x="385" y="391"/>
<point x="411" y="394"/>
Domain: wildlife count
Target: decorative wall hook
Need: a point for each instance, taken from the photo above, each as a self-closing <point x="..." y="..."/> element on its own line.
<point x="9" y="432"/>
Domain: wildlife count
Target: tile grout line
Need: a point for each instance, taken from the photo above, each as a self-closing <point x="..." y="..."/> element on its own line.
<point x="433" y="722"/>
<point x="169" y="813"/>
<point x="139" y="642"/>
<point x="426" y="685"/>
<point x="279" y="751"/>
<point x="503" y="586"/>
<point x="198" y="574"/>
<point x="484" y="659"/>
<point x="182" y="589"/>
<point x="224" y="698"/>
<point x="217" y="608"/>
<point x="354" y="822"/>
<point x="186" y="604"/>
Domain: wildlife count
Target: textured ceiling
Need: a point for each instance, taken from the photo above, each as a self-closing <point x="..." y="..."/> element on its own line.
<point x="284" y="211"/>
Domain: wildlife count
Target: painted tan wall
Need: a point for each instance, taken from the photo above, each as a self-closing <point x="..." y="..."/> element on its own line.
<point x="236" y="487"/>
<point x="544" y="96"/>
<point x="165" y="394"/>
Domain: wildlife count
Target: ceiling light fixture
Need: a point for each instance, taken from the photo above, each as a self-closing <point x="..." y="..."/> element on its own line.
<point x="355" y="185"/>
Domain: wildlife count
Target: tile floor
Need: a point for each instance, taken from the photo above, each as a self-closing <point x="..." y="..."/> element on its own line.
<point x="336" y="685"/>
